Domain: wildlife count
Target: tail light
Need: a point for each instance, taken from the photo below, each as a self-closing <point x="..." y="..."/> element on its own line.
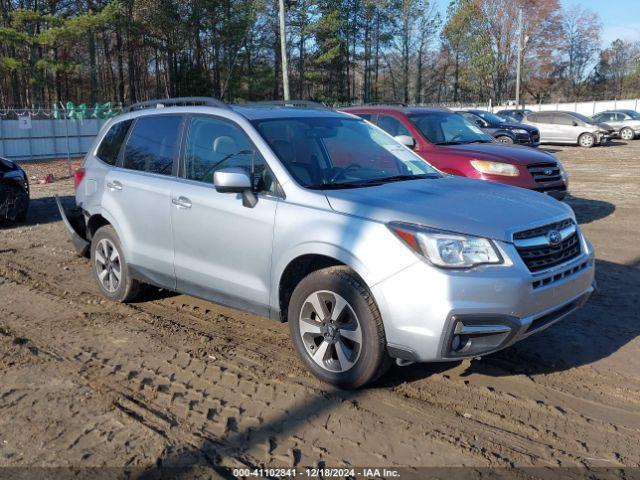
<point x="78" y="176"/>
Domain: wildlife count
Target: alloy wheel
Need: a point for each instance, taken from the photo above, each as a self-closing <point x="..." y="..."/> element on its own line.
<point x="586" y="140"/>
<point x="107" y="264"/>
<point x="330" y="331"/>
<point x="627" y="134"/>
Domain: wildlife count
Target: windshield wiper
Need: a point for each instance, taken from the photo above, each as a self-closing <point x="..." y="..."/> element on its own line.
<point x="477" y="141"/>
<point x="374" y="181"/>
<point x="448" y="143"/>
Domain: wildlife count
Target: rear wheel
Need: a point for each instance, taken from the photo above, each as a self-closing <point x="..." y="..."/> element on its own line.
<point x="110" y="268"/>
<point x="505" y="139"/>
<point x="586" y="140"/>
<point x="627" y="134"/>
<point x="336" y="328"/>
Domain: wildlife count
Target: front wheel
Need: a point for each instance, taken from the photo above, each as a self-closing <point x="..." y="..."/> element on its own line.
<point x="336" y="328"/>
<point x="586" y="140"/>
<point x="505" y="139"/>
<point x="627" y="134"/>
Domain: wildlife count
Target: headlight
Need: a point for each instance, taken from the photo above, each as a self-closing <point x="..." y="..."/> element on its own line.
<point x="495" y="168"/>
<point x="563" y="173"/>
<point x="446" y="249"/>
<point x="519" y="130"/>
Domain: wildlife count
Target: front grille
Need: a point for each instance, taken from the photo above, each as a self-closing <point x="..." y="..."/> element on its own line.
<point x="545" y="256"/>
<point x="545" y="172"/>
<point x="540" y="231"/>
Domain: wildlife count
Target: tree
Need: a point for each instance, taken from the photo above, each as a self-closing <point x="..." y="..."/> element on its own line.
<point x="579" y="43"/>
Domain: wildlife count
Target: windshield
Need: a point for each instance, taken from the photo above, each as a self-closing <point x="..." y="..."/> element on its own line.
<point x="447" y="128"/>
<point x="583" y="118"/>
<point x="330" y="152"/>
<point x="490" y="117"/>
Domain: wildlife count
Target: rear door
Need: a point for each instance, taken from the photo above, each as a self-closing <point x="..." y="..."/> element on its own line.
<point x="138" y="196"/>
<point x="222" y="248"/>
<point x="544" y="122"/>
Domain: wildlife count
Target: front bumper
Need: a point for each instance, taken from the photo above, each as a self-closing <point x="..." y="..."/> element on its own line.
<point x="423" y="305"/>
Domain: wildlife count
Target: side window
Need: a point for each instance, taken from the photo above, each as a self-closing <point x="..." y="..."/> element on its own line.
<point x="473" y="119"/>
<point x="543" y="117"/>
<point x="213" y="143"/>
<point x="563" y="119"/>
<point x="601" y="117"/>
<point x="618" y="117"/>
<point x="110" y="146"/>
<point x="392" y="125"/>
<point x="153" y="145"/>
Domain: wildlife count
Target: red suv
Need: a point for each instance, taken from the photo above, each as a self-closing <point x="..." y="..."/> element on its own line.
<point x="453" y="145"/>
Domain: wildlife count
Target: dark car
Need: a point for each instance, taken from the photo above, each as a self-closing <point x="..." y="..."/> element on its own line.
<point x="515" y="114"/>
<point x="453" y="145"/>
<point x="14" y="192"/>
<point x="501" y="129"/>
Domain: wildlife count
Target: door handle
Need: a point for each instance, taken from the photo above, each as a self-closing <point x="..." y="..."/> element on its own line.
<point x="181" y="202"/>
<point x="114" y="186"/>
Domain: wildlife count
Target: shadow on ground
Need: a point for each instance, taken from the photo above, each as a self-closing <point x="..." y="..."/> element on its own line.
<point x="588" y="210"/>
<point x="42" y="211"/>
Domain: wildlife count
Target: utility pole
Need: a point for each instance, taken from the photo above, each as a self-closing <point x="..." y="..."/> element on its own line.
<point x="520" y="52"/>
<point x="283" y="51"/>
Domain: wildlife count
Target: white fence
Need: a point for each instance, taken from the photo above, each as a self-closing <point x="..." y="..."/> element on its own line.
<point x="585" y="108"/>
<point x="34" y="139"/>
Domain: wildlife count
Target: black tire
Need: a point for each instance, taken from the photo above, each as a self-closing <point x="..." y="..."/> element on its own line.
<point x="14" y="204"/>
<point x="627" y="134"/>
<point x="372" y="360"/>
<point x="127" y="288"/>
<point x="505" y="139"/>
<point x="586" y="140"/>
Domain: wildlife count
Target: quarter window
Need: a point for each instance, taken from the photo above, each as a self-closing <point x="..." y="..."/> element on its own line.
<point x="153" y="144"/>
<point x="213" y="144"/>
<point x="112" y="142"/>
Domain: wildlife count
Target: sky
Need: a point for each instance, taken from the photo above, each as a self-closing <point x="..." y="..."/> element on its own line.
<point x="620" y="18"/>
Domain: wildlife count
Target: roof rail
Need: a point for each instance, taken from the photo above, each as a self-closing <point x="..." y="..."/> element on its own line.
<point x="291" y="104"/>
<point x="178" y="101"/>
<point x="396" y="105"/>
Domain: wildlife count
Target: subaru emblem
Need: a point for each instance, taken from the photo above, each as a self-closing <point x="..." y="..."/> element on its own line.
<point x="554" y="238"/>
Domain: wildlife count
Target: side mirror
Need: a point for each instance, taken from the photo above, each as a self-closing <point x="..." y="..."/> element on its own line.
<point x="235" y="180"/>
<point x="406" y="140"/>
<point x="575" y="124"/>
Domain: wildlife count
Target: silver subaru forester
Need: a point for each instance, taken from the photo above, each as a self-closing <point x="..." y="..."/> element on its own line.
<point x="319" y="218"/>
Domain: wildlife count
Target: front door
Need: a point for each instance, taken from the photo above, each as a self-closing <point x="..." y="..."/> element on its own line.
<point x="222" y="248"/>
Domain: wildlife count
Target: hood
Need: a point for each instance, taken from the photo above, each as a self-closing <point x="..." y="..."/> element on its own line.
<point x="498" y="152"/>
<point x="456" y="204"/>
<point x="605" y="126"/>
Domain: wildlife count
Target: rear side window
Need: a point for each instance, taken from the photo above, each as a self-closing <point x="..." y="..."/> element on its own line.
<point x="110" y="146"/>
<point x="544" y="117"/>
<point x="153" y="145"/>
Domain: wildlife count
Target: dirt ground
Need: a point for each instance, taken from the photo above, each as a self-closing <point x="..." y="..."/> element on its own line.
<point x="173" y="381"/>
